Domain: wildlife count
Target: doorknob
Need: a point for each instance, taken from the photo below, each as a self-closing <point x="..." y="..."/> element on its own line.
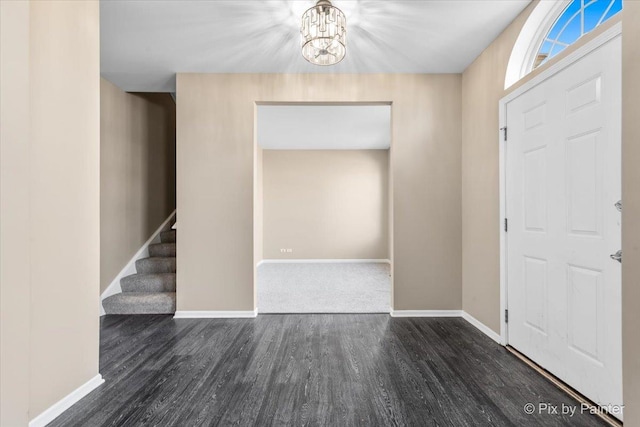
<point x="617" y="256"/>
<point x="618" y="205"/>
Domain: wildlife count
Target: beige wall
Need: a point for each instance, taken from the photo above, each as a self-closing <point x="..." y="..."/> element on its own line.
<point x="137" y="172"/>
<point x="215" y="169"/>
<point x="50" y="210"/>
<point x="482" y="88"/>
<point x="14" y="213"/>
<point x="326" y="204"/>
<point x="631" y="210"/>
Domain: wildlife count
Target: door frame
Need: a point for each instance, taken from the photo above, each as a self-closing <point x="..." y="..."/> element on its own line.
<point x="555" y="68"/>
<point x="258" y="196"/>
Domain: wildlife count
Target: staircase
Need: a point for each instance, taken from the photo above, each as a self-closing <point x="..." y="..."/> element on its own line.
<point x="152" y="290"/>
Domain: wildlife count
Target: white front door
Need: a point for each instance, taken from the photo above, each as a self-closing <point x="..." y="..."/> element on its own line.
<point x="563" y="180"/>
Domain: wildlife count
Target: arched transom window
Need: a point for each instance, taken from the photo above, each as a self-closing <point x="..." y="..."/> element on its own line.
<point x="577" y="19"/>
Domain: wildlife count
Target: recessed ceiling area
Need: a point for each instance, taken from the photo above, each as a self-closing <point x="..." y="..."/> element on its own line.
<point x="145" y="43"/>
<point x="324" y="127"/>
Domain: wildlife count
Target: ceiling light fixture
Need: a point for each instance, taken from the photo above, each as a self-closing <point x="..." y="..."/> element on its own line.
<point x="324" y="34"/>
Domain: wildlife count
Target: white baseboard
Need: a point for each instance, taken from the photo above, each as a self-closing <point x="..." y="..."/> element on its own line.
<point x="482" y="327"/>
<point x="215" y="314"/>
<point x="323" y="261"/>
<point x="426" y="313"/>
<point x="130" y="267"/>
<point x="450" y="313"/>
<point x="66" y="402"/>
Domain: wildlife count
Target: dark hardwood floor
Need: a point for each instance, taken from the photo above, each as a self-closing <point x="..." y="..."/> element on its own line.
<point x="295" y="370"/>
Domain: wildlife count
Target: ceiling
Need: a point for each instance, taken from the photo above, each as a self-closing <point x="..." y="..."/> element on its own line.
<point x="145" y="43"/>
<point x="324" y="127"/>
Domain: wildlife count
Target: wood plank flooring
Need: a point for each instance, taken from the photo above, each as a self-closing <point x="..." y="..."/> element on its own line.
<point x="309" y="370"/>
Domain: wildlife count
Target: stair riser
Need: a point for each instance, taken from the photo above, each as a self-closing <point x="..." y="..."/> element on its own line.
<point x="168" y="236"/>
<point x="152" y="266"/>
<point x="142" y="283"/>
<point x="162" y="250"/>
<point x="138" y="308"/>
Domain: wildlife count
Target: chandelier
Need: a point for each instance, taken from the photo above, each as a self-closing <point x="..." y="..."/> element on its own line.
<point x="324" y="34"/>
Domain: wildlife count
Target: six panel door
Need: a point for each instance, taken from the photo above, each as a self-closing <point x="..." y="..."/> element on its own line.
<point x="563" y="179"/>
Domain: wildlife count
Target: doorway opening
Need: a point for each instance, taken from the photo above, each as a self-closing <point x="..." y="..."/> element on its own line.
<point x="323" y="226"/>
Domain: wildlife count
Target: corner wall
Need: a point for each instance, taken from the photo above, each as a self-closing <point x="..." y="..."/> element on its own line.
<point x="215" y="169"/>
<point x="50" y="203"/>
<point x="137" y="172"/>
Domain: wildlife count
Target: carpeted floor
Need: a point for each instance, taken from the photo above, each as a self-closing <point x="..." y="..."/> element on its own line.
<point x="324" y="288"/>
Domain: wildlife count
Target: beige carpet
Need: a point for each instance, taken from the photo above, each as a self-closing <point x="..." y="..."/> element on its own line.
<point x="324" y="288"/>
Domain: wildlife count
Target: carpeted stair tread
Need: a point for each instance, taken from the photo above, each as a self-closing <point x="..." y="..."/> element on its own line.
<point x="168" y="236"/>
<point x="140" y="303"/>
<point x="152" y="290"/>
<point x="155" y="265"/>
<point x="161" y="282"/>
<point x="162" y="249"/>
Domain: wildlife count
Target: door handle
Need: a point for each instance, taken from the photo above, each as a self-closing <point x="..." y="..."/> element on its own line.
<point x="617" y="256"/>
<point x="618" y="205"/>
